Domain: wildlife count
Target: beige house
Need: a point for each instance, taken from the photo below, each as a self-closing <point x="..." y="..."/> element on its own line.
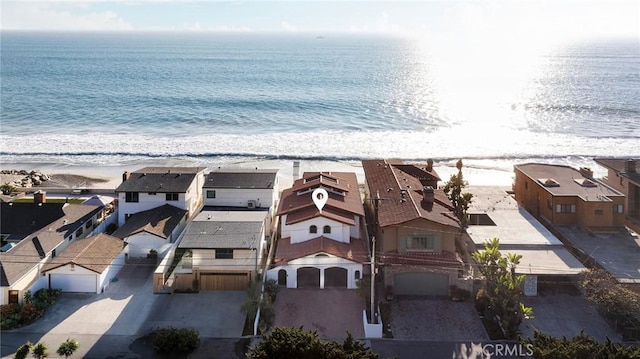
<point x="414" y="227"/>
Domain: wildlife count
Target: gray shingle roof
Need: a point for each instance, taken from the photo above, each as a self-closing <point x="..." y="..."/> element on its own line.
<point x="160" y="179"/>
<point x="211" y="234"/>
<point x="94" y="253"/>
<point x="241" y="179"/>
<point x="160" y="221"/>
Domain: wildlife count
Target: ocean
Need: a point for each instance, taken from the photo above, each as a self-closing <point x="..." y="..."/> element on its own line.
<point x="122" y="99"/>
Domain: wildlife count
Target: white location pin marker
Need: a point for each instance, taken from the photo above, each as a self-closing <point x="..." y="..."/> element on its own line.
<point x="320" y="197"/>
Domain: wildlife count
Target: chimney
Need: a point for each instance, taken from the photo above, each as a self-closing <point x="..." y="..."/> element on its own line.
<point x="125" y="176"/>
<point x="429" y="165"/>
<point x="296" y="170"/>
<point x="586" y="172"/>
<point x="630" y="166"/>
<point x="40" y="197"/>
<point x="428" y="195"/>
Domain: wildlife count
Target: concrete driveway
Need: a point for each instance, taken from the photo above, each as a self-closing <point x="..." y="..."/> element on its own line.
<point x="330" y="311"/>
<point x="435" y="320"/>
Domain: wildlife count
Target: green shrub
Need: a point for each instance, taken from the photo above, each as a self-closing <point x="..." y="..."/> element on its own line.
<point x="29" y="313"/>
<point x="9" y="316"/>
<point x="175" y="340"/>
<point x="68" y="347"/>
<point x="40" y="351"/>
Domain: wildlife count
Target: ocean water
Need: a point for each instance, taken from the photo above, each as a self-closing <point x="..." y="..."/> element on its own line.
<point x="100" y="99"/>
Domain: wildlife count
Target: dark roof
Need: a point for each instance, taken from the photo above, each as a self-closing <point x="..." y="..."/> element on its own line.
<point x="213" y="234"/>
<point x="18" y="220"/>
<point x="94" y="253"/>
<point x="160" y="179"/>
<point x="25" y="255"/>
<point x="338" y="207"/>
<point x="241" y="179"/>
<point x="160" y="221"/>
<point x="562" y="180"/>
<point x="619" y="166"/>
<point x="401" y="197"/>
<point x="355" y="250"/>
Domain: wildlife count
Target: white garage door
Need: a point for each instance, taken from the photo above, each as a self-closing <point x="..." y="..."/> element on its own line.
<point x="75" y="283"/>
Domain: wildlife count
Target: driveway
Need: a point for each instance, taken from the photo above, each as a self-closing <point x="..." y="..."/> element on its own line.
<point x="413" y="318"/>
<point x="330" y="311"/>
<point x="565" y="314"/>
<point x="215" y="314"/>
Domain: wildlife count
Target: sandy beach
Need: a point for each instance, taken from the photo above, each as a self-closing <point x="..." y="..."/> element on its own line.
<point x="109" y="177"/>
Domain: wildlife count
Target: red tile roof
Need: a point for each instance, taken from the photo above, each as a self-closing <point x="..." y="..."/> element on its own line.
<point x="354" y="251"/>
<point x="399" y="188"/>
<point x="337" y="206"/>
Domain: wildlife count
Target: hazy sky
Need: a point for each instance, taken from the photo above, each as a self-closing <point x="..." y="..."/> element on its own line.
<point x="529" y="19"/>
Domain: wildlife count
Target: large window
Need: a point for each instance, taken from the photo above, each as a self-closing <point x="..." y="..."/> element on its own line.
<point x="211" y="193"/>
<point x="566" y="208"/>
<point x="421" y="243"/>
<point x="618" y="208"/>
<point x="131" y="197"/>
<point x="224" y="253"/>
<point x="172" y="196"/>
<point x="313" y="229"/>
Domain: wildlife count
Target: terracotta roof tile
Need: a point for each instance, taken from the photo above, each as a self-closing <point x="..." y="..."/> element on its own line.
<point x="400" y="193"/>
<point x="353" y="251"/>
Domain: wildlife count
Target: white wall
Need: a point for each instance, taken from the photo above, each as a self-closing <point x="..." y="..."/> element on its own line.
<point x="243" y="259"/>
<point x="141" y="243"/>
<point x="78" y="270"/>
<point x="111" y="272"/>
<point x="238" y="197"/>
<point x="321" y="263"/>
<point x="147" y="202"/>
<point x="299" y="232"/>
<point x="193" y="196"/>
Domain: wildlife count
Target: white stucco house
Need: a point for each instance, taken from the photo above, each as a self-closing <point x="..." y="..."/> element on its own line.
<point x="41" y="231"/>
<point x="324" y="248"/>
<point x="155" y="229"/>
<point x="87" y="266"/>
<point x="242" y="188"/>
<point x="152" y="187"/>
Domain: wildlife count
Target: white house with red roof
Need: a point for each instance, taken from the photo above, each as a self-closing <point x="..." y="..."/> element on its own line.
<point x="321" y="248"/>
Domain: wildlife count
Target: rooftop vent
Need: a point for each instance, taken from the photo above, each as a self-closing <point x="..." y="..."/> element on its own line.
<point x="548" y="182"/>
<point x="585" y="182"/>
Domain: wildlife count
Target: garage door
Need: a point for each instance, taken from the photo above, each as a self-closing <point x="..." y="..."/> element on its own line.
<point x="421" y="284"/>
<point x="74" y="283"/>
<point x="308" y="277"/>
<point x="335" y="277"/>
<point x="224" y="281"/>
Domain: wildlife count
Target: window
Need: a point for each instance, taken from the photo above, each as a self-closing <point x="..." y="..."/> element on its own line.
<point x="566" y="208"/>
<point x="618" y="208"/>
<point x="313" y="229"/>
<point x="224" y="253"/>
<point x="357" y="275"/>
<point x="79" y="232"/>
<point x="131" y="197"/>
<point x="13" y="296"/>
<point x="172" y="196"/>
<point x="211" y="193"/>
<point x="598" y="212"/>
<point x="421" y="243"/>
<point x="326" y="229"/>
<point x="53" y="253"/>
<point x="88" y="224"/>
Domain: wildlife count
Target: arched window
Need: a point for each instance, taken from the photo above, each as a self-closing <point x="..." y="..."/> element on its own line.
<point x="357" y="275"/>
<point x="313" y="229"/>
<point x="326" y="229"/>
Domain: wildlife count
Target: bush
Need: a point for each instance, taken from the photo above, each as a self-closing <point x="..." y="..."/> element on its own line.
<point x="68" y="347"/>
<point x="9" y="316"/>
<point x="29" y="313"/>
<point x="175" y="340"/>
<point x="581" y="346"/>
<point x="23" y="350"/>
<point x="40" y="351"/>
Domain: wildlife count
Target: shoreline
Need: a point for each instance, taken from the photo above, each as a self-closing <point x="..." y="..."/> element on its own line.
<point x="109" y="177"/>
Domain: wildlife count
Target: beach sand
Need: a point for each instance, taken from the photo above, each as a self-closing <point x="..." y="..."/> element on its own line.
<point x="109" y="177"/>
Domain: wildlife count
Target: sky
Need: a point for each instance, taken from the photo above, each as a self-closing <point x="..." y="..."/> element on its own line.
<point x="526" y="19"/>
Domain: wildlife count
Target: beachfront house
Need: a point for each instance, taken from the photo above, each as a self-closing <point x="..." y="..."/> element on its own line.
<point x="152" y="187"/>
<point x="222" y="250"/>
<point x="87" y="266"/>
<point x="153" y="230"/>
<point x="414" y="228"/>
<point x="563" y="195"/>
<point x="35" y="233"/>
<point x="321" y="248"/>
<point x="623" y="175"/>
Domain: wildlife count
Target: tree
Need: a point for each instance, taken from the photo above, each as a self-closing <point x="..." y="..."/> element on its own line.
<point x="23" y="350"/>
<point x="68" y="347"/>
<point x="7" y="189"/>
<point x="39" y="351"/>
<point x="581" y="346"/>
<point x="502" y="291"/>
<point x="299" y="343"/>
<point x="460" y="200"/>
